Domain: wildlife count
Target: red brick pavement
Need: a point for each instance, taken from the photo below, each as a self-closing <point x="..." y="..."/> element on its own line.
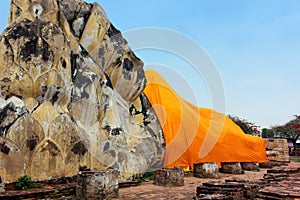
<point x="289" y="187"/>
<point x="149" y="191"/>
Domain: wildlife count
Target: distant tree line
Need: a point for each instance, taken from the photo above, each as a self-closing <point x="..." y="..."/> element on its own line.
<point x="289" y="130"/>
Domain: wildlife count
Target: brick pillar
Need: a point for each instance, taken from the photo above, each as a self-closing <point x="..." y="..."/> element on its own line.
<point x="250" y="166"/>
<point x="169" y="177"/>
<point x="231" y="168"/>
<point x="92" y="185"/>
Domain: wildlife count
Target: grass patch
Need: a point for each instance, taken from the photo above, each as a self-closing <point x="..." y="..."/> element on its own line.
<point x="54" y="196"/>
<point x="25" y="182"/>
<point x="149" y="176"/>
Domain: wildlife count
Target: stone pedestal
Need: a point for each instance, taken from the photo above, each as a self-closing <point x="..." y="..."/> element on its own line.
<point x="231" y="168"/>
<point x="169" y="177"/>
<point x="92" y="185"/>
<point x="206" y="170"/>
<point x="250" y="166"/>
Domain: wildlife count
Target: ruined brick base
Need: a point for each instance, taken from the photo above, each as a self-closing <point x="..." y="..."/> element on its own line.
<point x="233" y="190"/>
<point x="271" y="164"/>
<point x="250" y="166"/>
<point x="282" y="183"/>
<point x="169" y="177"/>
<point x="278" y="183"/>
<point x="92" y="185"/>
<point x="231" y="168"/>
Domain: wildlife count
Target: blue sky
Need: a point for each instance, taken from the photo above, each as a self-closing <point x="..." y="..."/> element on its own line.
<point x="254" y="44"/>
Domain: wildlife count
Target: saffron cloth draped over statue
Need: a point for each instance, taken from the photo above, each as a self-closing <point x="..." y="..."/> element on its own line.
<point x="194" y="134"/>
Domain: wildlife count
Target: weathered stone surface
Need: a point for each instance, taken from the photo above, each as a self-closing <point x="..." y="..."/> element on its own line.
<point x="1" y="186"/>
<point x="206" y="170"/>
<point x="277" y="150"/>
<point x="231" y="168"/>
<point x="169" y="177"/>
<point x="71" y="94"/>
<point x="250" y="166"/>
<point x="11" y="160"/>
<point x="97" y="185"/>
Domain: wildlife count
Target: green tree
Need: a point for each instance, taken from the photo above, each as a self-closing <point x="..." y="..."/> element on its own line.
<point x="267" y="133"/>
<point x="290" y="130"/>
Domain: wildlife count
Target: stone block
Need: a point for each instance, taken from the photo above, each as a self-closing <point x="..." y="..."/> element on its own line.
<point x="169" y="177"/>
<point x="250" y="166"/>
<point x="92" y="185"/>
<point x="206" y="170"/>
<point x="231" y="168"/>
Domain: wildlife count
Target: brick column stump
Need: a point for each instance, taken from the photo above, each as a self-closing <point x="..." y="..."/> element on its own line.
<point x="231" y="168"/>
<point x="169" y="177"/>
<point x="250" y="166"/>
<point x="92" y="185"/>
